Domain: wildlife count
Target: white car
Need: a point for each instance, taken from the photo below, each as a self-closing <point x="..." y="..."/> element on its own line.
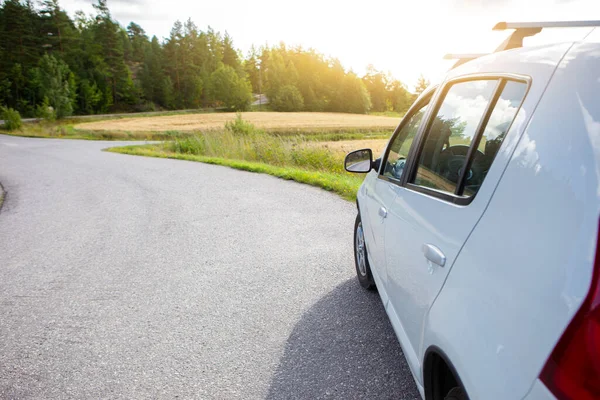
<point x="479" y="224"/>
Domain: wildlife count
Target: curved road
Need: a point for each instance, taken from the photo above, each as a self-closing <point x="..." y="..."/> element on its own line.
<point x="131" y="277"/>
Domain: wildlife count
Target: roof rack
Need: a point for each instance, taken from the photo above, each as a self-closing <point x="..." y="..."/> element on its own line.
<point x="522" y="30"/>
<point x="526" y="29"/>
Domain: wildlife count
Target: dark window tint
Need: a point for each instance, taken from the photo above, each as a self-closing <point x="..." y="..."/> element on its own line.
<point x="496" y="129"/>
<point x="451" y="133"/>
<point x="400" y="145"/>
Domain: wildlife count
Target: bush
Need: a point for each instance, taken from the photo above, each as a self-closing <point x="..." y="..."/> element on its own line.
<point x="288" y="98"/>
<point x="12" y="119"/>
<point x="45" y="111"/>
<point x="240" y="127"/>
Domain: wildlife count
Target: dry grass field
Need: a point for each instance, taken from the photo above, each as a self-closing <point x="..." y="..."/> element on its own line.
<point x="346" y="146"/>
<point x="263" y="120"/>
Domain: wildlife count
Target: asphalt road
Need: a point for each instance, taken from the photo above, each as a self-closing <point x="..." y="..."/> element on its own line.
<point x="131" y="277"/>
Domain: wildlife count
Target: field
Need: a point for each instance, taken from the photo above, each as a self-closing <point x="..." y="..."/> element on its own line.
<point x="346" y="146"/>
<point x="269" y="121"/>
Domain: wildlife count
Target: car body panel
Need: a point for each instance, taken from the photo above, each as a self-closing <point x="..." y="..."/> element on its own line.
<point x="527" y="266"/>
<point x="416" y="218"/>
<point x="539" y="392"/>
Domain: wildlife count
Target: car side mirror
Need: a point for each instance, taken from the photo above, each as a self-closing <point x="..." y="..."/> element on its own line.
<point x="359" y="161"/>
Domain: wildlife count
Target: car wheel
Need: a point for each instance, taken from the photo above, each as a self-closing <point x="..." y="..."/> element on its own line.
<point x="456" y="393"/>
<point x="363" y="270"/>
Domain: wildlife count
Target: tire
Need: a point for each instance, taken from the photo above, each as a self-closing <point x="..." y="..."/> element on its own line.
<point x="361" y="262"/>
<point x="456" y="393"/>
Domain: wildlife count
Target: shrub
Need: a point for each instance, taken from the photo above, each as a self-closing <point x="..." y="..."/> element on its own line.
<point x="12" y="119"/>
<point x="190" y="145"/>
<point x="45" y="111"/>
<point x="288" y="98"/>
<point x="240" y="127"/>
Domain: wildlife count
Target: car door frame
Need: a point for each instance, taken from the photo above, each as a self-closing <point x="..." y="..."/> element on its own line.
<point x="430" y="92"/>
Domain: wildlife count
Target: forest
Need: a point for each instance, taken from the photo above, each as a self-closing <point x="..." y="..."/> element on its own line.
<point x="53" y="66"/>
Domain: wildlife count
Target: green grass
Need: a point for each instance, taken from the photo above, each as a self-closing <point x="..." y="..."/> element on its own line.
<point x="343" y="184"/>
<point x="2" y="194"/>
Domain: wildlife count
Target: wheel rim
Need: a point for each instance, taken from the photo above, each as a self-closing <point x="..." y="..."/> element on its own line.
<point x="361" y="261"/>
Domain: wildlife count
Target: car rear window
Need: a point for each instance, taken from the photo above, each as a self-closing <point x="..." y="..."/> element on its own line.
<point x="501" y="119"/>
<point x="451" y="133"/>
<point x="458" y="151"/>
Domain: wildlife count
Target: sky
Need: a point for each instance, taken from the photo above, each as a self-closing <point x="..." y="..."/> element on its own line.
<point x="401" y="37"/>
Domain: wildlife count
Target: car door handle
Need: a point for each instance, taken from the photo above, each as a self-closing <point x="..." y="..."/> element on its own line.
<point x="382" y="212"/>
<point x="434" y="254"/>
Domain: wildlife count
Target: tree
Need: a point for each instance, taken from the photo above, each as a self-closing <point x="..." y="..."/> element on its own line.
<point x="109" y="35"/>
<point x="227" y="88"/>
<point x="398" y="97"/>
<point x="139" y="42"/>
<point x="230" y="55"/>
<point x="90" y="96"/>
<point x="279" y="72"/>
<point x="377" y="85"/>
<point x="156" y="87"/>
<point x="57" y="84"/>
<point x="422" y="84"/>
<point x="288" y="98"/>
<point x="352" y="96"/>
<point x="252" y="69"/>
<point x="57" y="30"/>
<point x="173" y="53"/>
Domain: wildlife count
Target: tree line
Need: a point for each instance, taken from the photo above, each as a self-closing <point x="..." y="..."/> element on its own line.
<point x="53" y="66"/>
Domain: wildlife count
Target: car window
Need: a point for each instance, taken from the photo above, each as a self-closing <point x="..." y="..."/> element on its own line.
<point x="505" y="111"/>
<point x="446" y="144"/>
<point x="400" y="145"/>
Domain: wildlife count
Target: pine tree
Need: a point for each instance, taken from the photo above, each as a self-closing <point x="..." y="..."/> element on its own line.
<point x="230" y="55"/>
<point x="109" y="36"/>
<point x="139" y="42"/>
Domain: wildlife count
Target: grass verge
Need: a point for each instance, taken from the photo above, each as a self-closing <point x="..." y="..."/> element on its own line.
<point x="2" y="195"/>
<point x="343" y="184"/>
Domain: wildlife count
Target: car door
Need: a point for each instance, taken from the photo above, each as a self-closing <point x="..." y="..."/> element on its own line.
<point x="436" y="207"/>
<point x="380" y="191"/>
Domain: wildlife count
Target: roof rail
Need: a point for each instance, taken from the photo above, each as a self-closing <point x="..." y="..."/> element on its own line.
<point x="462" y="58"/>
<point x="500" y="26"/>
<point x="526" y="29"/>
<point x="471" y="56"/>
